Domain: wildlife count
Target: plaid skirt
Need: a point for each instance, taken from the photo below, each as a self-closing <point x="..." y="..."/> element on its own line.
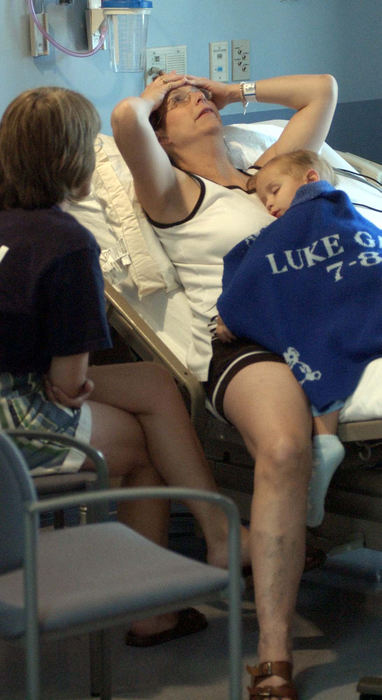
<point x="23" y="405"/>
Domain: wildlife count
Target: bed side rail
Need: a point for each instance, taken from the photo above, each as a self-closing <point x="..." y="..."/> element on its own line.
<point x="363" y="165"/>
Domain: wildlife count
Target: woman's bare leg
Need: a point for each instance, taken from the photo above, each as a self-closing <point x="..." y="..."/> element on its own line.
<point x="270" y="410"/>
<point x="148" y="392"/>
<point x="119" y="436"/>
<point x="326" y="424"/>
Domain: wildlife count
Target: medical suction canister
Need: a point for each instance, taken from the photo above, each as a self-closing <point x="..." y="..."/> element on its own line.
<point x="128" y="22"/>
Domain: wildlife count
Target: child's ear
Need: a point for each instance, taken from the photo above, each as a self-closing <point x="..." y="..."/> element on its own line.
<point x="312" y="176"/>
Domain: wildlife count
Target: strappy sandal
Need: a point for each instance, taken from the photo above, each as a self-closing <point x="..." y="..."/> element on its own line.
<point x="283" y="669"/>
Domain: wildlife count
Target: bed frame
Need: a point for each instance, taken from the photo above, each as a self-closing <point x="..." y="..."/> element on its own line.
<point x="354" y="501"/>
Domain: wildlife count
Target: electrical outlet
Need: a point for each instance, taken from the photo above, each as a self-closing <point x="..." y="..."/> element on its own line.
<point x="166" y="59"/>
<point x="39" y="44"/>
<point x="219" y="61"/>
<point x="240" y="59"/>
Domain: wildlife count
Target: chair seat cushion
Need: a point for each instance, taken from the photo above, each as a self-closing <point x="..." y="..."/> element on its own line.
<point x="113" y="571"/>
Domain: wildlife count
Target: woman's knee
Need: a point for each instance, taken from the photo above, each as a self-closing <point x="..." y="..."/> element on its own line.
<point x="286" y="458"/>
<point x="119" y="436"/>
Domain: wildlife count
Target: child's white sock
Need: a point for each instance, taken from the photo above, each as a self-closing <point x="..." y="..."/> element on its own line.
<point x="328" y="453"/>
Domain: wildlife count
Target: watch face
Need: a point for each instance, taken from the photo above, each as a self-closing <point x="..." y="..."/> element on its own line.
<point x="249" y="89"/>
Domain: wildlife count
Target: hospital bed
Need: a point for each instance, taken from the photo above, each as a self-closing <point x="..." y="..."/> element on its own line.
<point x="148" y="310"/>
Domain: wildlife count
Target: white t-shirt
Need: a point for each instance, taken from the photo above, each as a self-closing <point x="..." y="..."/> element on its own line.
<point x="221" y="218"/>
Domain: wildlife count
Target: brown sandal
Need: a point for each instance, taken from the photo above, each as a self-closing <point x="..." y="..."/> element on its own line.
<point x="265" y="670"/>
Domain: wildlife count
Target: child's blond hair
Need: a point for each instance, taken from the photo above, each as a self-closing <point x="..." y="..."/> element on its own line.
<point x="297" y="163"/>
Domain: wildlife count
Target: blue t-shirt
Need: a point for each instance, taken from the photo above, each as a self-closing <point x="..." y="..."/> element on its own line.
<point x="51" y="290"/>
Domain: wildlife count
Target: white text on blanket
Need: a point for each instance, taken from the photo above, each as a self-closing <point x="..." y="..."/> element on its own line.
<point x="323" y="249"/>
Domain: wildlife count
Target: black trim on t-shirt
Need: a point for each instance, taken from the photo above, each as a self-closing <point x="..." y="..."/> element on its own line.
<point x="200" y="198"/>
<point x="191" y="214"/>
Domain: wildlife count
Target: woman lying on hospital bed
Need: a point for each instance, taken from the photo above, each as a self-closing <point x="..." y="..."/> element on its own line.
<point x="200" y="207"/>
<point x="308" y="287"/>
<point x="52" y="314"/>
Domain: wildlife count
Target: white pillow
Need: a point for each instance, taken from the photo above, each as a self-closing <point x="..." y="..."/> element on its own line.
<point x="134" y="243"/>
<point x="246" y="143"/>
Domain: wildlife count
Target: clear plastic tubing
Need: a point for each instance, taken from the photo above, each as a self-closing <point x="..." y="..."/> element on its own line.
<point x="69" y="52"/>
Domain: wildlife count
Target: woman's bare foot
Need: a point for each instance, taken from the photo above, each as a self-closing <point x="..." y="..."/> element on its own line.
<point x="165" y="628"/>
<point x="154" y="625"/>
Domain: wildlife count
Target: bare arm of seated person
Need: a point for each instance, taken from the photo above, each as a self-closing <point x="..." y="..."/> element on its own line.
<point x="66" y="381"/>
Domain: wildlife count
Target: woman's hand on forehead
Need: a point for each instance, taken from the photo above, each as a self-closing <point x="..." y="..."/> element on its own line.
<point x="157" y="90"/>
<point x="220" y="91"/>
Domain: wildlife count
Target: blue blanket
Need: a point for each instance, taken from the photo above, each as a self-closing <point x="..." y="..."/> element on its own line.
<point x="309" y="287"/>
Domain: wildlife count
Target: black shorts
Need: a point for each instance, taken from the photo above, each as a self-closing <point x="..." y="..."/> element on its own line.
<point x="227" y="360"/>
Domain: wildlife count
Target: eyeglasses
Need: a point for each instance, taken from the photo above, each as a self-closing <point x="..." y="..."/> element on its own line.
<point x="182" y="96"/>
<point x="175" y="98"/>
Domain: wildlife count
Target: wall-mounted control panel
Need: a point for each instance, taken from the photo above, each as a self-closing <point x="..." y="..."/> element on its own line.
<point x="219" y="61"/>
<point x="166" y="59"/>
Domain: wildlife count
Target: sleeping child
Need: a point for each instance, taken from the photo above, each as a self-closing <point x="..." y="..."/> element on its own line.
<point x="309" y="288"/>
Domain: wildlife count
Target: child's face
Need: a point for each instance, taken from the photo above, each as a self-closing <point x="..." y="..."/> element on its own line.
<point x="277" y="189"/>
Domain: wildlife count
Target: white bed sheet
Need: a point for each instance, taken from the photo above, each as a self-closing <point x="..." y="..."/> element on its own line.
<point x="146" y="277"/>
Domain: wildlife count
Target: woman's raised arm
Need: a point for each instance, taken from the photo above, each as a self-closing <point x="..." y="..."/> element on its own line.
<point x="314" y="97"/>
<point x="157" y="183"/>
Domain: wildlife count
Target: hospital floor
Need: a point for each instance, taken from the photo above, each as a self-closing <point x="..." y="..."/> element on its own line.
<point x="337" y="638"/>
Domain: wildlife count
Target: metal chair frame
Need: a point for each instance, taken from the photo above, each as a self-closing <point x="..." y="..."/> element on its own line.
<point x="58" y="483"/>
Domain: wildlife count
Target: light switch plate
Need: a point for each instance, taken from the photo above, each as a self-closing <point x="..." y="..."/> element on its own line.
<point x="241" y="68"/>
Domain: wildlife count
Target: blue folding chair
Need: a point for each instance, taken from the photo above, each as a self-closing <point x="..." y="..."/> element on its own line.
<point x="97" y="576"/>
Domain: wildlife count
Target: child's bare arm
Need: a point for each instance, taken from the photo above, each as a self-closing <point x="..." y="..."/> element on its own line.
<point x="223" y="332"/>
